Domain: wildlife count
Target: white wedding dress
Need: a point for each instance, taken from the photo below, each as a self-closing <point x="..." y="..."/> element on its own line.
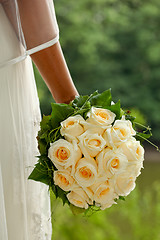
<point x="24" y="204"/>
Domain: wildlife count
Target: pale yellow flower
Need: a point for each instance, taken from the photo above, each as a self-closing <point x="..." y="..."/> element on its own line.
<point x="133" y="150"/>
<point x="100" y="116"/>
<point x="64" y="180"/>
<point x="79" y="198"/>
<point x="110" y="162"/>
<point x="72" y="126"/>
<point x="121" y="132"/>
<point x="91" y="143"/>
<point x="64" y="154"/>
<point x="86" y="172"/>
<point x="103" y="194"/>
<point x="124" y="183"/>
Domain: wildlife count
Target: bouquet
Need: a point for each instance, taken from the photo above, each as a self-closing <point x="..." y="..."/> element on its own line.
<point x="90" y="152"/>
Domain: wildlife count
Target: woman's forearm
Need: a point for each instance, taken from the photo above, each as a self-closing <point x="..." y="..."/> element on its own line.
<point x="54" y="70"/>
<point x="39" y="27"/>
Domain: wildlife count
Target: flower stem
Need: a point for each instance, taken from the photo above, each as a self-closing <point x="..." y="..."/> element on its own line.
<point x="148" y="128"/>
<point x="149" y="142"/>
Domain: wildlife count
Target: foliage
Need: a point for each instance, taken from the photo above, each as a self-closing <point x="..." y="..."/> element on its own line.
<point x="50" y="132"/>
<point x="137" y="218"/>
<point x="116" y="44"/>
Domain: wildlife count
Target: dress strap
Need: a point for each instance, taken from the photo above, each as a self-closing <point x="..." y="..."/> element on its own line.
<point x="30" y="51"/>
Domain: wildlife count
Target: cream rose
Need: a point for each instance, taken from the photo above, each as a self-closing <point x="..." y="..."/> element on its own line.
<point x="89" y="192"/>
<point x="108" y="204"/>
<point x="91" y="143"/>
<point x="124" y="183"/>
<point x="64" y="180"/>
<point x="71" y="139"/>
<point x="133" y="150"/>
<point x="110" y="162"/>
<point x="72" y="126"/>
<point x="121" y="132"/>
<point x="103" y="193"/>
<point x="79" y="198"/>
<point x="99" y="129"/>
<point x="64" y="154"/>
<point x="100" y="116"/>
<point x="86" y="172"/>
<point x="134" y="168"/>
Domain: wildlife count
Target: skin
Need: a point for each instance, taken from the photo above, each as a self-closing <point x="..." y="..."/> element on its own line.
<point x="39" y="28"/>
<point x="54" y="70"/>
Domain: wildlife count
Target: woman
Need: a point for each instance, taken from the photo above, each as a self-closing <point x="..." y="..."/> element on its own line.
<point x="27" y="27"/>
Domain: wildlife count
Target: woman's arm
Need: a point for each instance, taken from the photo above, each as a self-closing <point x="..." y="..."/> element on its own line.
<point x="54" y="70"/>
<point x="39" y="27"/>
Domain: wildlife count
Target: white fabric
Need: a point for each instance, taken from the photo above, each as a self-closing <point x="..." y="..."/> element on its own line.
<point x="35" y="26"/>
<point x="24" y="204"/>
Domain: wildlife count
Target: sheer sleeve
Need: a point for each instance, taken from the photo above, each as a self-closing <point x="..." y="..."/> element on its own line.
<point x="38" y="22"/>
<point x="29" y="27"/>
<point x="34" y="23"/>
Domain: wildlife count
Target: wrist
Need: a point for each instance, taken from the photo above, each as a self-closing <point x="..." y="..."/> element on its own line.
<point x="68" y="99"/>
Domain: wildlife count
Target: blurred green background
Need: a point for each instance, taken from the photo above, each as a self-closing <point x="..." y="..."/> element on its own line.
<point x="114" y="44"/>
<point x="136" y="218"/>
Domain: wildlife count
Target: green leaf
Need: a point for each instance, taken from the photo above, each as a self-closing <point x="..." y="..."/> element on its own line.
<point x="60" y="112"/>
<point x="116" y="108"/>
<point x="83" y="110"/>
<point x="142" y="136"/>
<point x="102" y="100"/>
<point x="91" y="210"/>
<point x="93" y="94"/>
<point x="122" y="198"/>
<point x="82" y="105"/>
<point x="45" y="123"/>
<point x="129" y="117"/>
<point x="40" y="173"/>
<point x="42" y="146"/>
<point x="43" y="141"/>
<point x="119" y="198"/>
<point x="79" y="101"/>
<point x="54" y="135"/>
<point x="44" y="135"/>
<point x="59" y="193"/>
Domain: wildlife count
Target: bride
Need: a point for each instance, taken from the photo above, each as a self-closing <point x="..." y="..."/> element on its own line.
<point x="27" y="27"/>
